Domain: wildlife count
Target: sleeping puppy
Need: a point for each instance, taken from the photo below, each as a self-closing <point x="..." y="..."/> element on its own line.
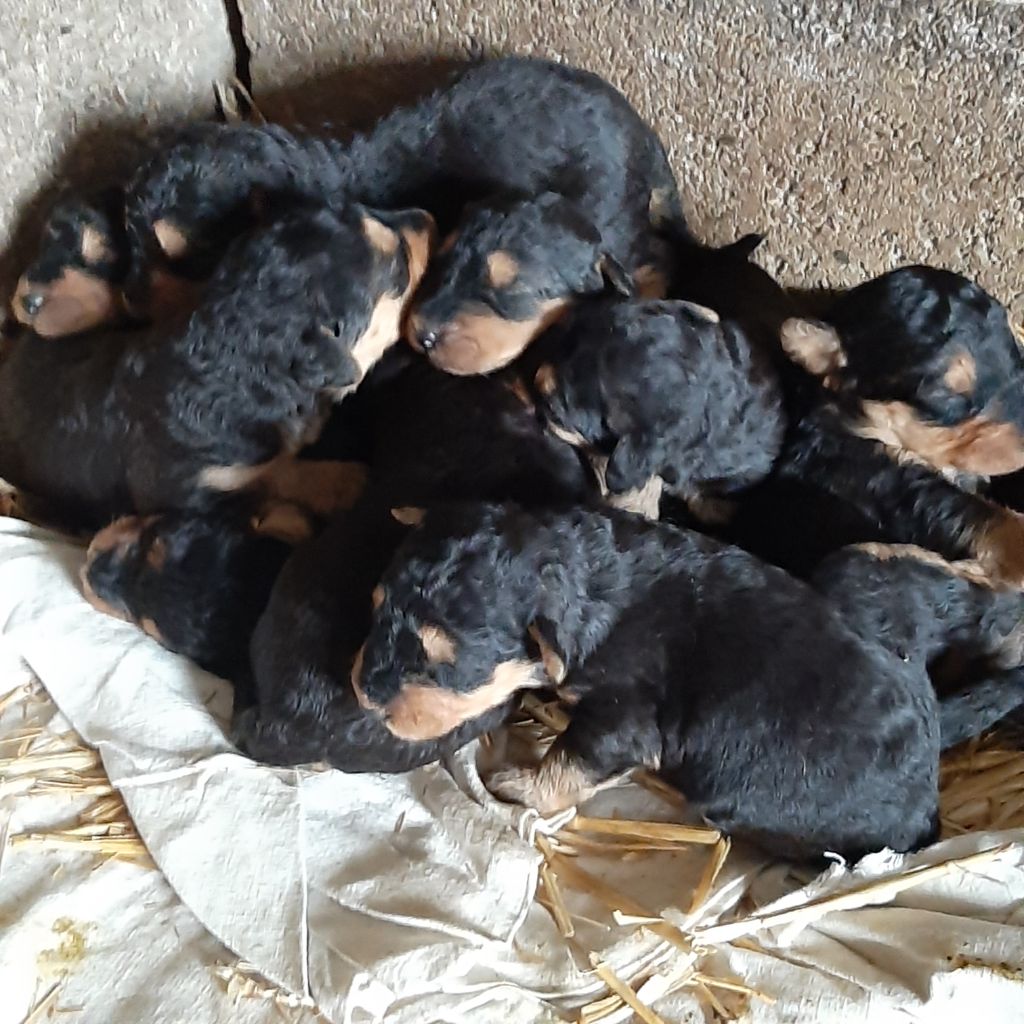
<point x="544" y="178"/>
<point x="664" y="389"/>
<point x="947" y="618"/>
<point x="195" y="582"/>
<point x="303" y="652"/>
<point x="440" y="437"/>
<point x="219" y="402"/>
<point x="910" y="392"/>
<point x="741" y="686"/>
<point x="74" y="280"/>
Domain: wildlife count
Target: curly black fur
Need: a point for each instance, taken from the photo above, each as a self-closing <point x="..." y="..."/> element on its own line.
<point x="943" y="617"/>
<point x="792" y="730"/>
<point x="128" y="422"/>
<point x="666" y="389"/>
<point x="889" y="349"/>
<point x="196" y="582"/>
<point x="303" y="652"/>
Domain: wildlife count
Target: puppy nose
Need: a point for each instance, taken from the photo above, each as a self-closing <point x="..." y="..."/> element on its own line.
<point x="429" y="339"/>
<point x="32" y="303"/>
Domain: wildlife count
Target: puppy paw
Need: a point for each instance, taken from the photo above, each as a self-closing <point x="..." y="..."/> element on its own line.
<point x="1000" y="549"/>
<point x="515" y="784"/>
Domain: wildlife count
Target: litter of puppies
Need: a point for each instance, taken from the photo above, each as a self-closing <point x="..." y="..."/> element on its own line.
<point x="354" y="424"/>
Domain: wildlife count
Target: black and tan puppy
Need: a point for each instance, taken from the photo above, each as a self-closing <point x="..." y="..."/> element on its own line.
<point x="663" y="389"/>
<point x="440" y="437"/>
<point x="548" y="177"/>
<point x="75" y="279"/>
<point x="947" y="618"/>
<point x="218" y="402"/>
<point x="913" y="387"/>
<point x="303" y="654"/>
<point x="195" y="582"/>
<point x="741" y="686"/>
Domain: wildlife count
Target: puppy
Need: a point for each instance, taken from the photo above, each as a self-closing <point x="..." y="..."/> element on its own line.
<point x="439" y="437"/>
<point x="549" y="179"/>
<point x="947" y="618"/>
<point x="303" y="653"/>
<point x="741" y="686"/>
<point x="74" y="281"/>
<point x="911" y="388"/>
<point x="195" y="582"/>
<point x="663" y="389"/>
<point x="218" y="403"/>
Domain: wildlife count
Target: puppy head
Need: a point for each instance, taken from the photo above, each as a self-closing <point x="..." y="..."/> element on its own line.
<point x="330" y="285"/>
<point x="501" y="278"/>
<point x="74" y="282"/>
<point x="930" y="360"/>
<point x="451" y="631"/>
<point x="195" y="583"/>
<point x="616" y="383"/>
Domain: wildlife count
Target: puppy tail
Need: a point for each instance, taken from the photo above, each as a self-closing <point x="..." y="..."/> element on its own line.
<point x="972" y="711"/>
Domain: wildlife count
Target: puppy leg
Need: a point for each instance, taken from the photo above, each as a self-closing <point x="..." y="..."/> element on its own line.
<point x="593" y="753"/>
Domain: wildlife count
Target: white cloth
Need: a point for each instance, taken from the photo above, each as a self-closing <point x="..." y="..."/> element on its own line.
<point x="410" y="897"/>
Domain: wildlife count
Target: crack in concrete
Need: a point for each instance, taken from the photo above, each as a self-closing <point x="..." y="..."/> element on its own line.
<point x="243" y="55"/>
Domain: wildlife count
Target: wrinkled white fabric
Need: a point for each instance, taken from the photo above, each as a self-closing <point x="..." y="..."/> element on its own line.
<point x="410" y="898"/>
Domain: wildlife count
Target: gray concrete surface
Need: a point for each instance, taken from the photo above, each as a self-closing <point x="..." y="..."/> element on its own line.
<point x="78" y="77"/>
<point x="857" y="134"/>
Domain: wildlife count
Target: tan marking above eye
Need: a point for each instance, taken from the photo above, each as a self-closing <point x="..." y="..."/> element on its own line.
<point x="380" y="236"/>
<point x="961" y="373"/>
<point x="94" y="246"/>
<point x="438" y="646"/>
<point x="377" y="597"/>
<point x="448" y="244"/>
<point x="408" y="515"/>
<point x="424" y="711"/>
<point x="545" y="380"/>
<point x="171" y="239"/>
<point x="502" y="268"/>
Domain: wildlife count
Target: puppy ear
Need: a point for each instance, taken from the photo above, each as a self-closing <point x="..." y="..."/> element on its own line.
<point x="407" y="515"/>
<point x="814" y="345"/>
<point x="743" y="247"/>
<point x="614" y="274"/>
<point x="544" y="634"/>
<point x="631" y="463"/>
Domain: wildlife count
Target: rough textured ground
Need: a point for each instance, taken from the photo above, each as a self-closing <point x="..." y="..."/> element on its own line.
<point x="857" y="134"/>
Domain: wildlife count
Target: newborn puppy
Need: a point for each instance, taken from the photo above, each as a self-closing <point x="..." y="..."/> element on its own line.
<point x="560" y="182"/>
<point x="740" y="685"/>
<point x="74" y="281"/>
<point x="947" y="618"/>
<point x="219" y="402"/>
<point x="663" y="389"/>
<point x="195" y="582"/>
<point x="303" y="655"/>
<point x="440" y="437"/>
<point x="912" y="387"/>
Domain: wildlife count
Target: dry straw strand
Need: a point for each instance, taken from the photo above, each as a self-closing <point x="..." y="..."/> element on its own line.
<point x="624" y="992"/>
<point x="43" y="1007"/>
<point x="878" y="890"/>
<point x="649" y="831"/>
<point x="710" y="874"/>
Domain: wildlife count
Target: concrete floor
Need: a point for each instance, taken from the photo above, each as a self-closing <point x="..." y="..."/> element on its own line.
<point x="857" y="134"/>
